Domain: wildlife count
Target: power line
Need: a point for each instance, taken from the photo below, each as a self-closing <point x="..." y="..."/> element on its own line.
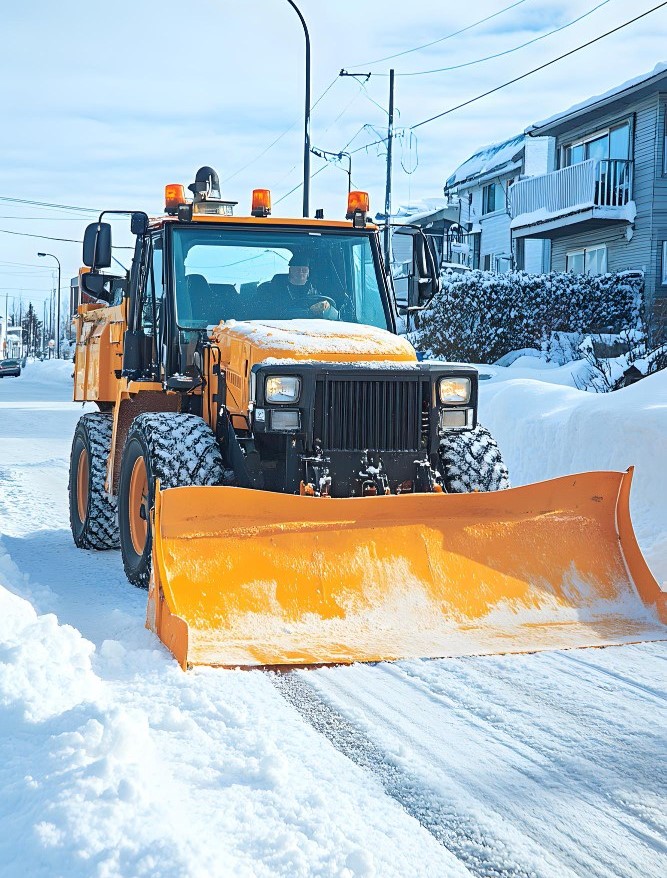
<point x="506" y="51"/>
<point x="299" y="185"/>
<point x="442" y="39"/>
<point x="48" y="204"/>
<point x="279" y="137"/>
<point x="536" y="69"/>
<point x="44" y="237"/>
<point x="68" y="240"/>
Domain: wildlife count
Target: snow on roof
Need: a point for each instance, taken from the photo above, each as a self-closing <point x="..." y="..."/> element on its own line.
<point x="590" y="102"/>
<point x="416" y="210"/>
<point x="495" y="157"/>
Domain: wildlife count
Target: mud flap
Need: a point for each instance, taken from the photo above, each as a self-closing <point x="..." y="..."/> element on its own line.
<point x="252" y="578"/>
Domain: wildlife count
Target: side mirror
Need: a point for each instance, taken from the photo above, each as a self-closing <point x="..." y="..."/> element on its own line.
<point x="94" y="285"/>
<point x="97" y="246"/>
<point x="425" y="277"/>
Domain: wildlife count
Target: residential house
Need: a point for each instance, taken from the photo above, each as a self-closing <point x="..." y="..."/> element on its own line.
<point x="603" y="202"/>
<point x="480" y="187"/>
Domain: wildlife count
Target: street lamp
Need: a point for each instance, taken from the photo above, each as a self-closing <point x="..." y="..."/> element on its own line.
<point x="306" y="128"/>
<point x="58" y="307"/>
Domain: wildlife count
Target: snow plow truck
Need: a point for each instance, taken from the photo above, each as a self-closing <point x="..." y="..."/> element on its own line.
<point x="292" y="484"/>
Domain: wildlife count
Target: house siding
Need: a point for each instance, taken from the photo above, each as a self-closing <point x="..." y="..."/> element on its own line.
<point x="659" y="201"/>
<point x="649" y="194"/>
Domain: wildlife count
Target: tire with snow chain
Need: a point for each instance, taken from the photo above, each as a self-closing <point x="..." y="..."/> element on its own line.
<point x="471" y="461"/>
<point x="92" y="513"/>
<point x="177" y="449"/>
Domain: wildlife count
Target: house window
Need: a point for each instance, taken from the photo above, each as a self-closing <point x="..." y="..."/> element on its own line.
<point x="590" y="260"/>
<point x="609" y="143"/>
<point x="493" y="198"/>
<point x="488" y="257"/>
<point x="664" y="263"/>
<point x="476" y="245"/>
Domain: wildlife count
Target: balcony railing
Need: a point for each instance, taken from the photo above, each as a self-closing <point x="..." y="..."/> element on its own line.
<point x="593" y="183"/>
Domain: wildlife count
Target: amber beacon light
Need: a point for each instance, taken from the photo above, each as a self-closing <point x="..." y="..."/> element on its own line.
<point x="357" y="201"/>
<point x="261" y="202"/>
<point x="174" y="195"/>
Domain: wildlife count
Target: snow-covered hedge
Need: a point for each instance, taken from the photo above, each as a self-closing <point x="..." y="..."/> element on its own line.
<point x="479" y="316"/>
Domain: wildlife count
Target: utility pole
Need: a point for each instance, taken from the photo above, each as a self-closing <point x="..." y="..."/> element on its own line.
<point x="387" y="198"/>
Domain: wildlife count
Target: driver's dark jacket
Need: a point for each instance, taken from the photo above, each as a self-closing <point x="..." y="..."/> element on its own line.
<point x="278" y="299"/>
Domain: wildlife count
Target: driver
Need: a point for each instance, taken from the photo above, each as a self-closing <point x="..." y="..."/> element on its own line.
<point x="296" y="293"/>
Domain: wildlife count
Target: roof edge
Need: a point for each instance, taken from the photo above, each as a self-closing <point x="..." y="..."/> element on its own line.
<point x="542" y="129"/>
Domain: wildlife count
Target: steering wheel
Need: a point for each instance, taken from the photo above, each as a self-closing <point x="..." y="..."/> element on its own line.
<point x="320" y="301"/>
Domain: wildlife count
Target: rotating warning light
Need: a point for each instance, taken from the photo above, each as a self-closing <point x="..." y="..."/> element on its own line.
<point x="174" y="196"/>
<point x="261" y="202"/>
<point x="357" y="201"/>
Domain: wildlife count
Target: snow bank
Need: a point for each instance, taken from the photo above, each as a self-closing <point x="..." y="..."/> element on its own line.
<point x="45" y="668"/>
<point x="547" y="430"/>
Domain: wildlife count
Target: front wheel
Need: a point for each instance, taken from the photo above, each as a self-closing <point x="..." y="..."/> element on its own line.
<point x="92" y="513"/>
<point x="177" y="449"/>
<point x="471" y="461"/>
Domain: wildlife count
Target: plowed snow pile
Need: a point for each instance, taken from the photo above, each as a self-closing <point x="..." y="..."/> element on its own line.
<point x="113" y="762"/>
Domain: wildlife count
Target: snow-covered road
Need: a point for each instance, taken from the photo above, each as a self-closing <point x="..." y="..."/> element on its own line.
<point x="113" y="762"/>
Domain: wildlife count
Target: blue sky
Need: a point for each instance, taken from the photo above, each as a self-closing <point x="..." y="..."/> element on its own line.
<point x="103" y="104"/>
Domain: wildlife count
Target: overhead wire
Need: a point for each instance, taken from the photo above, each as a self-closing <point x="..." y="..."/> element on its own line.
<point x="47" y="204"/>
<point x="537" y="39"/>
<point x="522" y="76"/>
<point x="51" y="238"/>
<point x="541" y="66"/>
<point x="280" y="136"/>
<point x="441" y="39"/>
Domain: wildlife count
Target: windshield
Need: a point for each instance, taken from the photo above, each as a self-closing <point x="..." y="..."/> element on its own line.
<point x="251" y="274"/>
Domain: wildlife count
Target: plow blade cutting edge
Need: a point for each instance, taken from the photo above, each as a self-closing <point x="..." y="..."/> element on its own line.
<point x="252" y="578"/>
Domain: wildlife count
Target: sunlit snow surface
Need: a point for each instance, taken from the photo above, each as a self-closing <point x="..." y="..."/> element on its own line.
<point x="113" y="762"/>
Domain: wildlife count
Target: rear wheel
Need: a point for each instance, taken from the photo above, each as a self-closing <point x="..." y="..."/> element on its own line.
<point x="471" y="461"/>
<point x="92" y="513"/>
<point x="178" y="450"/>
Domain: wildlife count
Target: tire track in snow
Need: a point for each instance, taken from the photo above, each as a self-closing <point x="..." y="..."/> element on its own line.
<point x="477" y="850"/>
<point x="519" y="738"/>
<point x="594" y="669"/>
<point x="556" y="780"/>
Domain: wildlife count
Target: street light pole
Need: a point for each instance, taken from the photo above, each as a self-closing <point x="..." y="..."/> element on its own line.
<point x="58" y="308"/>
<point x="306" y="126"/>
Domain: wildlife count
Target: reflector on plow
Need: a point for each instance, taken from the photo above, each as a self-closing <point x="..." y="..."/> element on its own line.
<point x="252" y="578"/>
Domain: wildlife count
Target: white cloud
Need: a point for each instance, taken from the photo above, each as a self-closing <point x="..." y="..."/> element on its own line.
<point x="107" y="103"/>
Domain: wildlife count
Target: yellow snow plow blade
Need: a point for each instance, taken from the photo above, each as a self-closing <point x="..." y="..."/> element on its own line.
<point x="248" y="578"/>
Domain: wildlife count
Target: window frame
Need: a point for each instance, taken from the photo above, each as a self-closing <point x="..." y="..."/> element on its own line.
<point x="496" y="184"/>
<point x="583" y="252"/>
<point x="596" y="135"/>
<point x="663" y="267"/>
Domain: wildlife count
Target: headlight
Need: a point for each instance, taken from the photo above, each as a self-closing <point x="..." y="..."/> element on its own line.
<point x="454" y="391"/>
<point x="282" y="388"/>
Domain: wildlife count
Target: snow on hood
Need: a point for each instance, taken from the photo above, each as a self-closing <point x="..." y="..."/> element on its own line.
<point x="320" y="339"/>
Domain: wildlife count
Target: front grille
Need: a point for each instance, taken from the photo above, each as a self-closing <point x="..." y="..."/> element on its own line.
<point x="379" y="414"/>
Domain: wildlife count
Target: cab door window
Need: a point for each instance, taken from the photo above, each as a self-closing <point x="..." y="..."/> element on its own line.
<point x="154" y="289"/>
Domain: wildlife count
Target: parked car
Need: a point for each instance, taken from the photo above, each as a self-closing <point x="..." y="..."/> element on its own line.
<point x="10" y="367"/>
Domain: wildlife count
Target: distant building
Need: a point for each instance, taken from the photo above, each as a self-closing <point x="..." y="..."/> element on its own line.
<point x="480" y="188"/>
<point x="602" y="204"/>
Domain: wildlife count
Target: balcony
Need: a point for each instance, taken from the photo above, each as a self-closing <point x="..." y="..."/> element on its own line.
<point x="589" y="194"/>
